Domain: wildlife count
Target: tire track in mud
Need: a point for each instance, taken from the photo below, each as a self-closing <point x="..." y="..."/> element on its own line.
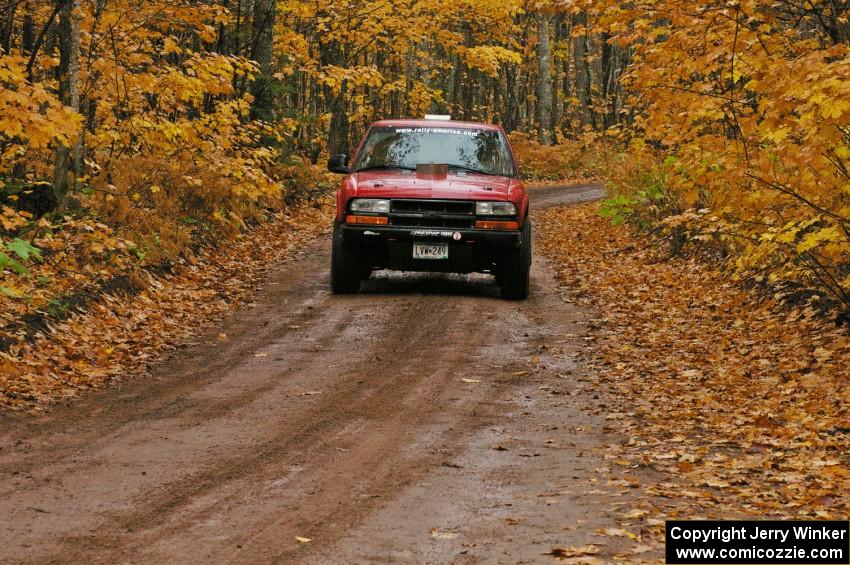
<point x="373" y="391"/>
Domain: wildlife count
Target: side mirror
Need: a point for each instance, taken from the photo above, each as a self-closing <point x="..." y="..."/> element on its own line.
<point x="339" y="164"/>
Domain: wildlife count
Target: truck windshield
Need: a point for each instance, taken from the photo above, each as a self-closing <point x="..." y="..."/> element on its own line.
<point x="472" y="150"/>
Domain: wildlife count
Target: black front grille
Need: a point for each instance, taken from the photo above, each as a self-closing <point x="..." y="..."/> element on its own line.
<point x="453" y="207"/>
<point x="457" y="214"/>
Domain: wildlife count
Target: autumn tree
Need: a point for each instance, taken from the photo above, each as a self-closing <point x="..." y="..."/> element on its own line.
<point x="746" y="108"/>
<point x="544" y="80"/>
<point x="68" y="159"/>
<point x="262" y="52"/>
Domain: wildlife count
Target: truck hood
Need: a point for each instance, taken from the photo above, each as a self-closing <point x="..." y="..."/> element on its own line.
<point x="410" y="184"/>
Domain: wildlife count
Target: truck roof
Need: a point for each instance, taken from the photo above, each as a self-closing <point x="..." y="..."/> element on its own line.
<point x="436" y="123"/>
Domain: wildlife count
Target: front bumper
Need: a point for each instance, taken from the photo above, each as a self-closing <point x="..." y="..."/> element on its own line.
<point x="470" y="251"/>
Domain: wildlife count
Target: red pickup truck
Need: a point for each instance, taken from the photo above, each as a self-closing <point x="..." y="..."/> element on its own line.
<point x="431" y="195"/>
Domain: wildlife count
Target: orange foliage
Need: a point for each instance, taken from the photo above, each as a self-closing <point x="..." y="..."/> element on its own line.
<point x="172" y="160"/>
<point x="579" y="160"/>
<point x="748" y="106"/>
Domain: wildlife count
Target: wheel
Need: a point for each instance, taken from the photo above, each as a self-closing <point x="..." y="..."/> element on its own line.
<point x="346" y="269"/>
<point x="365" y="271"/>
<point x="515" y="272"/>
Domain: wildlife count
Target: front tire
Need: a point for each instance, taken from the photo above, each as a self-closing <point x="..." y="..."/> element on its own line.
<point x="346" y="270"/>
<point x="515" y="272"/>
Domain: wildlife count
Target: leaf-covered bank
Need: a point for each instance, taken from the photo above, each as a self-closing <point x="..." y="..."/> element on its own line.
<point x="119" y="332"/>
<point x="741" y="404"/>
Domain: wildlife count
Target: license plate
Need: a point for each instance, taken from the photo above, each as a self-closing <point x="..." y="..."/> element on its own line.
<point x="430" y="251"/>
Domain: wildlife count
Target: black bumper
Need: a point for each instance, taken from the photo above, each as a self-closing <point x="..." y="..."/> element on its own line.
<point x="470" y="251"/>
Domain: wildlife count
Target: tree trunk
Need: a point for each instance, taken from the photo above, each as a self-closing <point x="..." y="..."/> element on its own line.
<point x="452" y="88"/>
<point x="409" y="70"/>
<point x="469" y="93"/>
<point x="27" y="34"/>
<point x="262" y="51"/>
<point x="557" y="77"/>
<point x="68" y="159"/>
<point x="582" y="73"/>
<point x="339" y="129"/>
<point x="332" y="54"/>
<point x="608" y="80"/>
<point x="8" y="28"/>
<point x="612" y="79"/>
<point x="544" y="81"/>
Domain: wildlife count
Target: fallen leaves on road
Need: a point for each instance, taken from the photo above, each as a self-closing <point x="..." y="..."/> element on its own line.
<point x="574" y="551"/>
<point x="437" y="533"/>
<point x="635" y="514"/>
<point x="618" y="532"/>
<point x="741" y="406"/>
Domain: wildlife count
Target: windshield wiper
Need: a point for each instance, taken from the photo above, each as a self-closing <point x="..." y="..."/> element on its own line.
<point x="471" y="170"/>
<point x="385" y="167"/>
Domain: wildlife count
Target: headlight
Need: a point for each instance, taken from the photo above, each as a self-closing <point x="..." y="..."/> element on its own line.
<point x="370" y="206"/>
<point x="495" y="209"/>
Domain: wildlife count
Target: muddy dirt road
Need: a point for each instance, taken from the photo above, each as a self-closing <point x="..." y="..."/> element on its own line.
<point x="423" y="420"/>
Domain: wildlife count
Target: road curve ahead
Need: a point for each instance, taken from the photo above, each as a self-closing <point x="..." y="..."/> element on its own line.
<point x="422" y="420"/>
